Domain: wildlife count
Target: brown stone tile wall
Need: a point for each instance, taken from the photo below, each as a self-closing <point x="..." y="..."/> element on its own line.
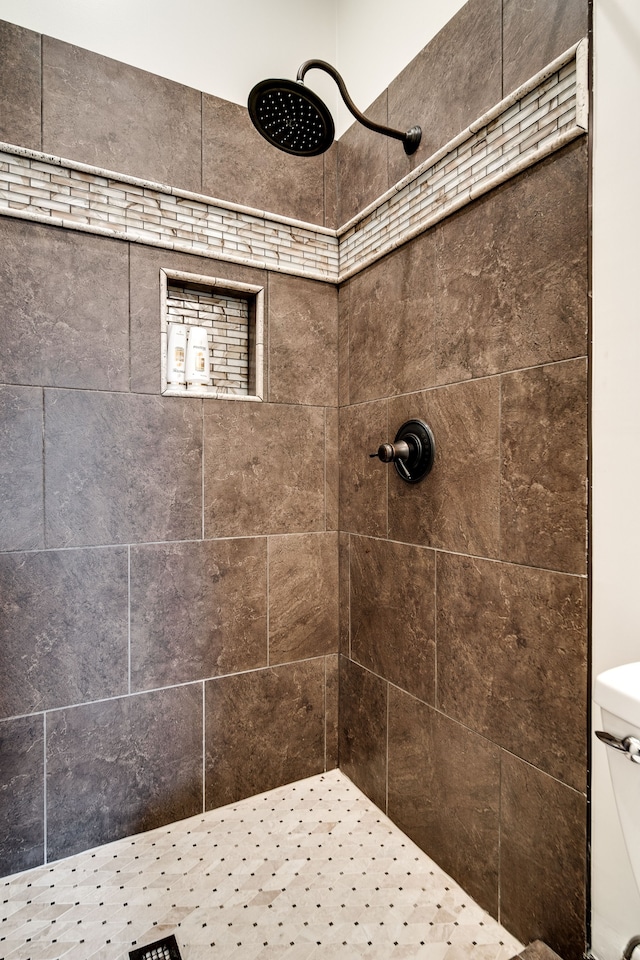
<point x="169" y="565"/>
<point x="174" y="563"/>
<point x="464" y="644"/>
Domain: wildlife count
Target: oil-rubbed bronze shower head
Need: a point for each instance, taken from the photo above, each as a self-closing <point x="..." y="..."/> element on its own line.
<point x="295" y="119"/>
<point x="291" y="117"/>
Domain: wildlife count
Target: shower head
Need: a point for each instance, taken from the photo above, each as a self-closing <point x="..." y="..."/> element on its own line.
<point x="291" y="117"/>
<point x="295" y="119"/>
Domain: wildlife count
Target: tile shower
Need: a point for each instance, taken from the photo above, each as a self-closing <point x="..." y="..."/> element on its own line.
<point x="174" y="567"/>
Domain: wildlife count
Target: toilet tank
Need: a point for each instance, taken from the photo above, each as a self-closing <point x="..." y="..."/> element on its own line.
<point x="617" y="692"/>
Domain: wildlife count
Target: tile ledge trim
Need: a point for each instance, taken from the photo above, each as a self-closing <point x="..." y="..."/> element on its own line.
<point x="164" y="188"/>
<point x="477" y="125"/>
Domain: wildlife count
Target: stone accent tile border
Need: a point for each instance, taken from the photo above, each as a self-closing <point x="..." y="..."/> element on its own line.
<point x="60" y="192"/>
<point x="535" y="120"/>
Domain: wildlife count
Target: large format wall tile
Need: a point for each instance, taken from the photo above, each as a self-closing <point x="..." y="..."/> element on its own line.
<point x="303" y="341"/>
<point x="393" y="613"/>
<point x="107" y="113"/>
<point x="197" y="610"/>
<point x="536" y="32"/>
<point x="444" y="786"/>
<point x="451" y="82"/>
<point x="543" y="853"/>
<point x="512" y="659"/>
<point x="65" y="308"/>
<point x="121" y="468"/>
<point x="362" y="743"/>
<point x="391" y="323"/>
<point x="332" y="690"/>
<point x="543" y="489"/>
<point x="344" y="353"/>
<point x="362" y="163"/>
<point x="331" y="186"/>
<point x="21" y="794"/>
<point x="64" y="624"/>
<point x="122" y="766"/>
<point x="240" y="165"/>
<point x="512" y="269"/>
<point x="263" y="729"/>
<point x="145" y="266"/>
<point x="344" y="588"/>
<point x="456" y="505"/>
<point x="21" y="492"/>
<point x="363" y="480"/>
<point x="20" y="86"/>
<point x="264" y="468"/>
<point x="332" y="468"/>
<point x="303" y="596"/>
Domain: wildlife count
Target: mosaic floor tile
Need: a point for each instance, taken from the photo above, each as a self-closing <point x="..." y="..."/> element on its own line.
<point x="309" y="871"/>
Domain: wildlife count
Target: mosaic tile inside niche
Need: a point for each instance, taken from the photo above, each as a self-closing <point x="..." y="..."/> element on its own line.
<point x="226" y="320"/>
<point x="303" y="872"/>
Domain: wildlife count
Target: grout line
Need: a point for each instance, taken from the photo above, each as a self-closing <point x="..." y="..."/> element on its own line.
<point x="268" y="592"/>
<point x="129" y="310"/>
<point x="43" y="473"/>
<point x="469" y="556"/>
<point x="349" y="538"/>
<point x="386" y="766"/>
<point x="435" y="628"/>
<point x="171" y="686"/>
<point x="386" y="474"/>
<point x="202" y="140"/>
<point x="45" y="838"/>
<point x="466" y="380"/>
<point x="499" y="891"/>
<point x="266" y="336"/>
<point x="202" y="468"/>
<point x="326" y="505"/>
<point x="204" y="749"/>
<point x="502" y="49"/>
<point x="325" y="714"/>
<point x="500" y="391"/>
<point x="42" y="92"/>
<point x="129" y="618"/>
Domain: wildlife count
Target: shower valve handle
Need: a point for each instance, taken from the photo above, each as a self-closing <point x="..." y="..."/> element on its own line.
<point x="411" y="452"/>
<point x="388" y="452"/>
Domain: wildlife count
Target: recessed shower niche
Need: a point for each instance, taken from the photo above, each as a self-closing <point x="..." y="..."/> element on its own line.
<point x="211" y="337"/>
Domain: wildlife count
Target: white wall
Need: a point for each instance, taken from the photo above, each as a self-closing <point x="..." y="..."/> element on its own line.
<point x="377" y="38"/>
<point x="225" y="46"/>
<point x="616" y="429"/>
<point x="220" y="46"/>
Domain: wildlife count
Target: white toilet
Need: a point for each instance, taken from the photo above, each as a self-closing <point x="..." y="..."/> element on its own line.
<point x="617" y="692"/>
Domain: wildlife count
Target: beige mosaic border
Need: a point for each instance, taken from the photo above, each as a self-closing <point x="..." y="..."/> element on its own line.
<point x="60" y="192"/>
<point x="537" y="119"/>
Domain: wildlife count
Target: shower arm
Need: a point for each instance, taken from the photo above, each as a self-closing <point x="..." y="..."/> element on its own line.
<point x="410" y="139"/>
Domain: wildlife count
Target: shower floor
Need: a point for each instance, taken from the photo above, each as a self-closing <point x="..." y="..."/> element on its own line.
<point x="305" y="872"/>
